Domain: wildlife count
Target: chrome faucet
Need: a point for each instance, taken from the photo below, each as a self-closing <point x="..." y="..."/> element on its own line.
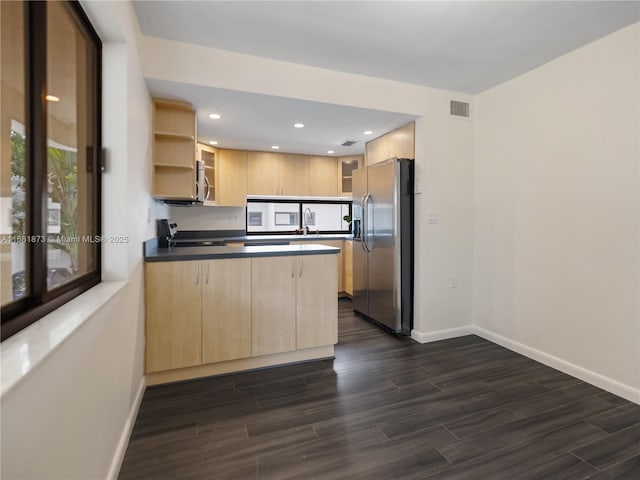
<point x="305" y="219"/>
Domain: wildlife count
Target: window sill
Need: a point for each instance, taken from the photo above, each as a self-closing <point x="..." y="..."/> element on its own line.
<point x="25" y="350"/>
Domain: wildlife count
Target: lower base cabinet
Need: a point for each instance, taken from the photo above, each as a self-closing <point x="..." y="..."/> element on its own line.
<point x="293" y="302"/>
<point x="226" y="310"/>
<point x="330" y="243"/>
<point x="202" y="312"/>
<point x="273" y="305"/>
<point x="316" y="301"/>
<point x="173" y="315"/>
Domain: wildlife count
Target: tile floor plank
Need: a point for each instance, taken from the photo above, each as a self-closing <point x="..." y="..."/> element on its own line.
<point x="384" y="408"/>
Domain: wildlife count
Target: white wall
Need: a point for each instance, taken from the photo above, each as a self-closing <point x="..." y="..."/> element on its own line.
<point x="69" y="417"/>
<point x="444" y="249"/>
<point x="443" y="156"/>
<point x="557" y="212"/>
<point x="65" y="419"/>
<point x="208" y="218"/>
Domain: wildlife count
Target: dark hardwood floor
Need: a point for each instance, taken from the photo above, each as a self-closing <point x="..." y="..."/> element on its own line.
<point x="389" y="409"/>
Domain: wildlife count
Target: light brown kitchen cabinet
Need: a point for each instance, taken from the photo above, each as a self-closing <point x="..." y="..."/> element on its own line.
<point x="323" y="176"/>
<point x="205" y="317"/>
<point x="226" y="309"/>
<point x="273" y="305"/>
<point x="348" y="267"/>
<point x="294" y="175"/>
<point x="315" y="301"/>
<point x="263" y="173"/>
<point x="277" y="174"/>
<point x="397" y="143"/>
<point x="173" y="302"/>
<point x="293" y="303"/>
<point x="174" y="150"/>
<point x="231" y="178"/>
<point x="377" y="150"/>
<point x="197" y="312"/>
<point x="329" y="243"/>
<point x="346" y="166"/>
<point x="402" y="141"/>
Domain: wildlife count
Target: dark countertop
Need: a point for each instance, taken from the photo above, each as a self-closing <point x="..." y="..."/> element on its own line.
<point x="267" y="238"/>
<point x="212" y="253"/>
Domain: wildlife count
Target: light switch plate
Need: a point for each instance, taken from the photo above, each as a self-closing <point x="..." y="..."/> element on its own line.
<point x="418" y="183"/>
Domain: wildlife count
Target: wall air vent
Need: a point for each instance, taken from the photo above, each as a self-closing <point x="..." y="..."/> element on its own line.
<point x="348" y="143"/>
<point x="459" y="109"/>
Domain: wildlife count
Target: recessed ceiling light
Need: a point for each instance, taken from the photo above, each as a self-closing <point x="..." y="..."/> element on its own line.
<point x="215" y="116"/>
<point x="52" y="98"/>
<point x="367" y="132"/>
<point x="213" y="142"/>
<point x="275" y="147"/>
<point x="298" y="125"/>
<point x="330" y="151"/>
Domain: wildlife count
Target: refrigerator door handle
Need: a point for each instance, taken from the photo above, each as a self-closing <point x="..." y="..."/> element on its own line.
<point x="365" y="225"/>
<point x="362" y="222"/>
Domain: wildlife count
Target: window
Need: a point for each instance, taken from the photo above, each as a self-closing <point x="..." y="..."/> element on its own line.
<point x="287" y="216"/>
<point x="49" y="159"/>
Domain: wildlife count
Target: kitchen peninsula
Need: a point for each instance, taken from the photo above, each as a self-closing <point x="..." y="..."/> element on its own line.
<point x="220" y="309"/>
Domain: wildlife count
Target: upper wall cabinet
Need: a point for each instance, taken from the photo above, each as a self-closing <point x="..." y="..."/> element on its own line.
<point x="174" y="150"/>
<point x="346" y="166"/>
<point x="294" y="175"/>
<point x="263" y="173"/>
<point x="231" y="178"/>
<point x="277" y="174"/>
<point x="323" y="173"/>
<point x="397" y="143"/>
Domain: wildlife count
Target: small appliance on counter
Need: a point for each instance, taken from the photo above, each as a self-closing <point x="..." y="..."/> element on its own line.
<point x="166" y="233"/>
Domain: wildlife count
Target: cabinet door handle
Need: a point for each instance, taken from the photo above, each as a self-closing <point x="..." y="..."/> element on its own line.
<point x="299" y="267"/>
<point x="292" y="267"/>
<point x="197" y="274"/>
<point x="207" y="280"/>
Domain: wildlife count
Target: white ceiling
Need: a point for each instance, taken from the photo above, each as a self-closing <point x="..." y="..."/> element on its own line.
<point x="455" y="45"/>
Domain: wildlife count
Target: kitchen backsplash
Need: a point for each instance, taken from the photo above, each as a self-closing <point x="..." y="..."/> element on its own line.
<point x="208" y="218"/>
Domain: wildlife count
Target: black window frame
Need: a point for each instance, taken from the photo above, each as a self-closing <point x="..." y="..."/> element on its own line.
<point x="39" y="301"/>
<point x="300" y="202"/>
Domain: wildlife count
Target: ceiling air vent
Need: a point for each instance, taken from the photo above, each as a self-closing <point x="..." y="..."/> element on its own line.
<point x="348" y="143"/>
<point x="459" y="109"/>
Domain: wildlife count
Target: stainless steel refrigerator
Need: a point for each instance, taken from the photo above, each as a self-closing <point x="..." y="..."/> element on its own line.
<point x="383" y="244"/>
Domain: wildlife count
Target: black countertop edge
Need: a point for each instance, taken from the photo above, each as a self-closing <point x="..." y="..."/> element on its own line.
<point x="269" y="238"/>
<point x="212" y="253"/>
<point x="209" y="234"/>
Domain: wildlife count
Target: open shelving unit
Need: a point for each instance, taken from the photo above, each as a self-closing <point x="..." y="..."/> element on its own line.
<point x="174" y="150"/>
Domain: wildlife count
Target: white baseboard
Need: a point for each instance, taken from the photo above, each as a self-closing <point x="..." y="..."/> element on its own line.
<point x="425" y="337"/>
<point x="121" y="449"/>
<point x="606" y="383"/>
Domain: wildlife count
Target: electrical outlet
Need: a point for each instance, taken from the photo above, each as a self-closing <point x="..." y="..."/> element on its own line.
<point x="433" y="218"/>
<point x="453" y="281"/>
